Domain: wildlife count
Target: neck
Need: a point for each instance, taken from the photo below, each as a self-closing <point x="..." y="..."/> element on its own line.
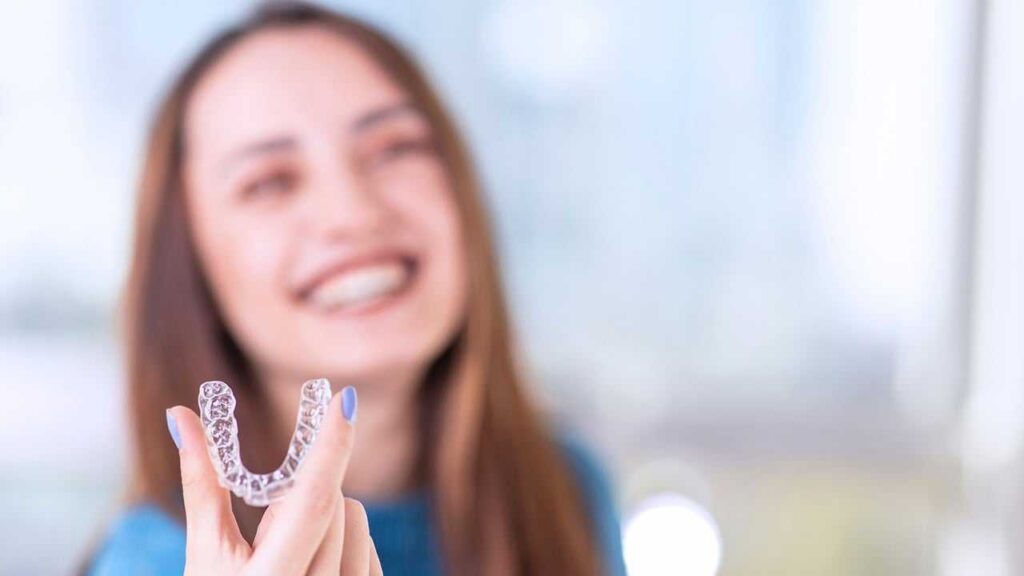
<point x="383" y="462"/>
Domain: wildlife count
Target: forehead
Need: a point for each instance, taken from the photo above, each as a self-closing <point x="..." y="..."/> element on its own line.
<point x="284" y="80"/>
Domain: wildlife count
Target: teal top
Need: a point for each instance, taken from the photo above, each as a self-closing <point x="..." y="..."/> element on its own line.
<point x="146" y="541"/>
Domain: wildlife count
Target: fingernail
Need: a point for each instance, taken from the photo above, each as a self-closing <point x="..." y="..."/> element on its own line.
<point x="172" y="427"/>
<point x="349" y="403"/>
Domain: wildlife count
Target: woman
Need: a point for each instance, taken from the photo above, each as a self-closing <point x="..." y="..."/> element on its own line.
<point x="308" y="209"/>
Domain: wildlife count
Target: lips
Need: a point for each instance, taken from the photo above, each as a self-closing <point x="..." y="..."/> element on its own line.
<point x="356" y="284"/>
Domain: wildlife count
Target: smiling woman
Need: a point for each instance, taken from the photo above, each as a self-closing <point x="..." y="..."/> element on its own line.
<point x="324" y="187"/>
<point x="307" y="209"/>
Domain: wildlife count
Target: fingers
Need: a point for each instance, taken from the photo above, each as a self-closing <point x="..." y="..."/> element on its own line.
<point x="210" y="524"/>
<point x="265" y="525"/>
<point x="355" y="560"/>
<point x="375" y="568"/>
<point x="304" y="517"/>
<point x="328" y="557"/>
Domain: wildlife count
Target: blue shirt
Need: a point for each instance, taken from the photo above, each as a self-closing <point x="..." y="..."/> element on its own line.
<point x="146" y="541"/>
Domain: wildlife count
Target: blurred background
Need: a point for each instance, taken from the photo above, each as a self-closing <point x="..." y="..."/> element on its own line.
<point x="766" y="256"/>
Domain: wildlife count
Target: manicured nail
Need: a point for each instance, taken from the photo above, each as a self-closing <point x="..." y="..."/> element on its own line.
<point x="349" y="403"/>
<point x="172" y="427"/>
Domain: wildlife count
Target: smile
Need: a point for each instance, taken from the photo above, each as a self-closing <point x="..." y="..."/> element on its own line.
<point x="360" y="286"/>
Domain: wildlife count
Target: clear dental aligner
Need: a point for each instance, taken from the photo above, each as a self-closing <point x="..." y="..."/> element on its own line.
<point x="217" y="410"/>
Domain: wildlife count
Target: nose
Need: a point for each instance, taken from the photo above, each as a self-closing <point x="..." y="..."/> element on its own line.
<point x="342" y="203"/>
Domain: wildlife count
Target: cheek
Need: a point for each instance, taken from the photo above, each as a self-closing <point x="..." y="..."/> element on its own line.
<point x="439" y="218"/>
<point x="451" y="250"/>
<point x="256" y="258"/>
<point x="243" y="260"/>
<point x="426" y="205"/>
<point x="454" y="282"/>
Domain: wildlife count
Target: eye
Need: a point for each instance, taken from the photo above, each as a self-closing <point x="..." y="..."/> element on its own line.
<point x="275" y="184"/>
<point x="402" y="148"/>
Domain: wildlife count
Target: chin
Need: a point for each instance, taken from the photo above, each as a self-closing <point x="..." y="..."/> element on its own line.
<point x="384" y="357"/>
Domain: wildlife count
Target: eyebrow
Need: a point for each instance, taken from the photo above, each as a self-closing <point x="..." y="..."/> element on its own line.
<point x="285" y="143"/>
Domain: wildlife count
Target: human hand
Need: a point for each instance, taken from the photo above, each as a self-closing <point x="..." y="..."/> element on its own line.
<point x="314" y="531"/>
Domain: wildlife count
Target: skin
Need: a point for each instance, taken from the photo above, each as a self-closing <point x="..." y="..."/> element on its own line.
<point x="305" y="161"/>
<point x="313" y="532"/>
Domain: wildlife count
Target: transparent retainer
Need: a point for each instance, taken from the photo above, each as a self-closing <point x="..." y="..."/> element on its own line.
<point x="217" y="410"/>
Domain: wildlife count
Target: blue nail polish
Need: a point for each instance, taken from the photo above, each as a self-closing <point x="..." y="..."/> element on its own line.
<point x="349" y="403"/>
<point x="172" y="427"/>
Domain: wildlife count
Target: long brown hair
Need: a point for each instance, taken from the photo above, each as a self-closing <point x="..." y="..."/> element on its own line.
<point x="504" y="498"/>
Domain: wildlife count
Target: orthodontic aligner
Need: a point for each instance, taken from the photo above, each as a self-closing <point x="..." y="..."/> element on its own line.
<point x="217" y="411"/>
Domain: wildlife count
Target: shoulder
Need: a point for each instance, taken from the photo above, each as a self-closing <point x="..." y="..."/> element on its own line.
<point x="143" y="540"/>
<point x="599" y="496"/>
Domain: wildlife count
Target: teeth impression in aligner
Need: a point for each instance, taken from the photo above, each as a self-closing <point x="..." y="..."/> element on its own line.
<point x="217" y="410"/>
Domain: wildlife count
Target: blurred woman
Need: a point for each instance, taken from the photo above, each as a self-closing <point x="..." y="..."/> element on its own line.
<point x="307" y="208"/>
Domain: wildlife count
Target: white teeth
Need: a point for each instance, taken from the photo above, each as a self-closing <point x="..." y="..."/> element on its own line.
<point x="359" y="285"/>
